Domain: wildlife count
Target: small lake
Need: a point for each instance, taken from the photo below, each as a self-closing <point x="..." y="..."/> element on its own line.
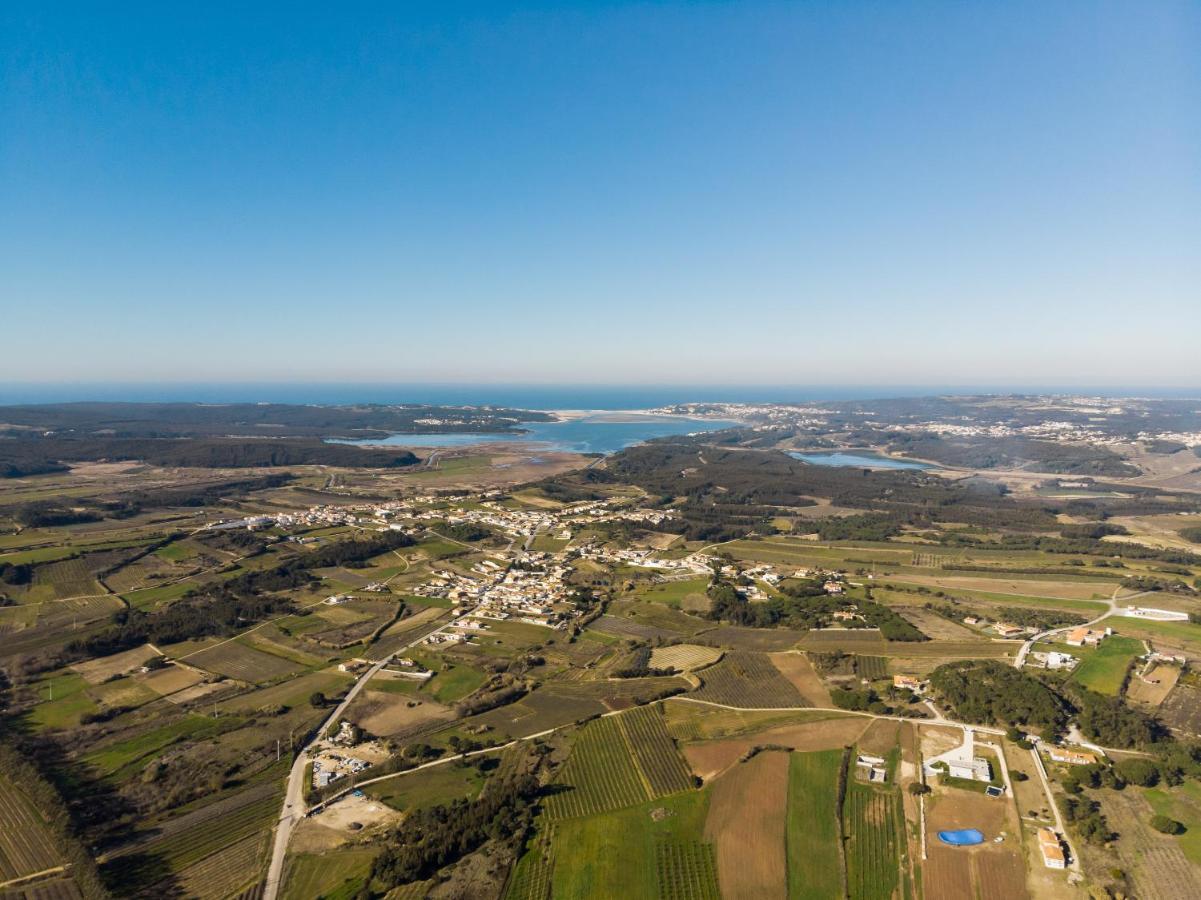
<point x="600" y="433"/>
<point x="864" y="460"/>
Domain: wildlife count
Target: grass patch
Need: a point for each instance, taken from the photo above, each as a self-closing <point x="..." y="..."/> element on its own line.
<point x="1104" y="670"/>
<point x="429" y="787"/>
<point x="812" y="832"/>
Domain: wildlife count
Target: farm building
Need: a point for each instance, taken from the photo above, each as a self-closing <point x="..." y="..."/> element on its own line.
<point x="961" y="761"/>
<point x="1086" y="637"/>
<point x="874" y="766"/>
<point x="909" y="683"/>
<point x="1051" y="849"/>
<point x="1071" y="757"/>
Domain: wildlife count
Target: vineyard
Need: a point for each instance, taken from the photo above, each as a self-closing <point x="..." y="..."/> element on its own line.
<point x="26" y="842"/>
<point x="531" y="879"/>
<point x="236" y="660"/>
<point x="871" y="667"/>
<point x="619" y="761"/>
<point x="687" y="870"/>
<point x="870" y="819"/>
<point x="655" y="751"/>
<point x="184" y="849"/>
<point x="748" y="679"/>
<point x="226" y="872"/>
<point x="684" y="657"/>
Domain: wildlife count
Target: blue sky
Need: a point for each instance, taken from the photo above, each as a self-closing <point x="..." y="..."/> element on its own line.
<point x="744" y="192"/>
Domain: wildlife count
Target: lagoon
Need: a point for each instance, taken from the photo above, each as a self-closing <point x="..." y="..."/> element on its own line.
<point x="603" y="433"/>
<point x="864" y="460"/>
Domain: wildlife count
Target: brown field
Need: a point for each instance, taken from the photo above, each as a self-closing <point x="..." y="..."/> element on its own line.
<point x="935" y="626"/>
<point x="1000" y="874"/>
<point x="1153" y="688"/>
<point x="1181" y="711"/>
<point x="684" y="657"/>
<point x="97" y="670"/>
<point x="407" y="629"/>
<point x="747" y="811"/>
<point x="765" y="639"/>
<point x="868" y="645"/>
<point x="234" y="659"/>
<point x="688" y="721"/>
<point x="993" y="871"/>
<point x="385" y="714"/>
<point x="709" y="759"/>
<point x="881" y="736"/>
<point x="1062" y="590"/>
<point x="170" y="679"/>
<point x="200" y="691"/>
<point x="798" y="670"/>
<point x="947" y="872"/>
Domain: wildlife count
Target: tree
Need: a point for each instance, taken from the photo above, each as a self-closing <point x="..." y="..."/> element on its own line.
<point x="1142" y="772"/>
<point x="917" y="788"/>
<point x="317" y="699"/>
<point x="1166" y="826"/>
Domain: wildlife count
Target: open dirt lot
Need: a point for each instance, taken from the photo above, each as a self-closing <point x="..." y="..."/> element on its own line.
<point x="1153" y="687"/>
<point x="991" y="870"/>
<point x="171" y="678"/>
<point x="881" y="736"/>
<point x="334" y="825"/>
<point x="97" y="670"/>
<point x="746" y="825"/>
<point x="385" y="714"/>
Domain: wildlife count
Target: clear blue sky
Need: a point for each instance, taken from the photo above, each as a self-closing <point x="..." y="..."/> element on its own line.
<point x="746" y="192"/>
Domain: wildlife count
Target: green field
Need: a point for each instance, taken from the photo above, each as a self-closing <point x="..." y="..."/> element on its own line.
<point x="673" y="593"/>
<point x="429" y="787"/>
<point x="455" y="682"/>
<point x="1104" y="670"/>
<point x="812" y="837"/>
<point x="636" y="852"/>
<point x="338" y="873"/>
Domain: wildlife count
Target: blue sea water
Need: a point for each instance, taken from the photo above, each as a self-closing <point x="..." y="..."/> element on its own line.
<point x="589" y="434"/>
<point x="862" y="460"/>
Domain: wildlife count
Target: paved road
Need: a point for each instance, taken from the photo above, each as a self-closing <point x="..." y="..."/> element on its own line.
<point x="294" y="806"/>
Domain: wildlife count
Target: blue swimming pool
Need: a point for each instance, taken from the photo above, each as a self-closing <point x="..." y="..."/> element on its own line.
<point x="964" y="837"/>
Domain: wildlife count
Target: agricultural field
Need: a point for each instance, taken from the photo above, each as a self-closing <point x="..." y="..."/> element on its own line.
<point x="684" y="657"/>
<point x="748" y="679"/>
<point x="688" y="594"/>
<point x="27" y="844"/>
<point x="654" y="849"/>
<point x="813" y="838"/>
<point x="321" y="875"/>
<point x="236" y="659"/>
<point x="619" y="761"/>
<point x="746" y="823"/>
<point x="875" y="833"/>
